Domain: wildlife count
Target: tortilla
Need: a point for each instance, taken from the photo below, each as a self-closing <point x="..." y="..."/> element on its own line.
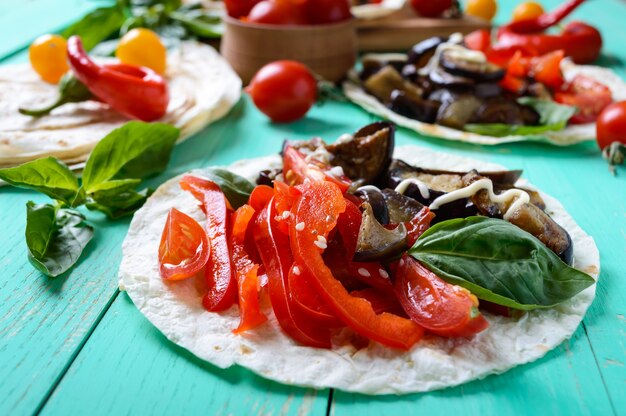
<point x="202" y="85"/>
<point x="378" y="10"/>
<point x="434" y="363"/>
<point x="570" y="135"/>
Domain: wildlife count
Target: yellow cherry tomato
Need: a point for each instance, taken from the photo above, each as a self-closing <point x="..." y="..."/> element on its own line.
<point x="142" y="47"/>
<point x="528" y="10"/>
<point x="48" y="57"/>
<point x="485" y="9"/>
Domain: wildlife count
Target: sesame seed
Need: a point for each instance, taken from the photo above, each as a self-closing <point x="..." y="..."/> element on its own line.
<point x="296" y="270"/>
<point x="286" y="214"/>
<point x="328" y="218"/>
<point x="300" y="226"/>
<point x="384" y="273"/>
<point x="321" y="242"/>
<point x="363" y="272"/>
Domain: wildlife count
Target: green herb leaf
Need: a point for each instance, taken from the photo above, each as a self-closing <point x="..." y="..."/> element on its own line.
<point x="237" y="189"/>
<point x="56" y="237"/>
<point x="98" y="25"/>
<point x="498" y="262"/>
<point x="134" y="150"/>
<point x="199" y="23"/>
<point x="46" y="175"/>
<point x="117" y="204"/>
<point x="552" y="117"/>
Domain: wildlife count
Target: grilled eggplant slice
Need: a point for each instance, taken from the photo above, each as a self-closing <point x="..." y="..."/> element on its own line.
<point x="375" y="242"/>
<point x="421" y="110"/>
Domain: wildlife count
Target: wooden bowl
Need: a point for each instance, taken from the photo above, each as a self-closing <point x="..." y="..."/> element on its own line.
<point x="328" y="50"/>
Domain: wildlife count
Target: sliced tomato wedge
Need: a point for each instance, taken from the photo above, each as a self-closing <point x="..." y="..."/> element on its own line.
<point x="184" y="249"/>
<point x="441" y="308"/>
<point x="297" y="170"/>
<point x="318" y="209"/>
<point x="246" y="271"/>
<point x="418" y="225"/>
<point x="547" y="69"/>
<point x="273" y="247"/>
<point x="588" y="95"/>
<point x="219" y="273"/>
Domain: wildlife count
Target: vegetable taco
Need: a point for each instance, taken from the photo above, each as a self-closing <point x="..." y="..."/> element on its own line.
<point x="410" y="270"/>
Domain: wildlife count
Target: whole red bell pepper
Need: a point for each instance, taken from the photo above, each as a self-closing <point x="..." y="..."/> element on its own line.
<point x="136" y="92"/>
<point x="580" y="41"/>
<point x="246" y="271"/>
<point x="317" y="209"/>
<point x="218" y="272"/>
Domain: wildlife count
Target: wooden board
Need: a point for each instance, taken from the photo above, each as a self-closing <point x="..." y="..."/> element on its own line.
<point x="403" y="29"/>
<point x="73" y="345"/>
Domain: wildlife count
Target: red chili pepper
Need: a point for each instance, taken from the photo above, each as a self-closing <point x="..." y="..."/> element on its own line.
<point x="273" y="247"/>
<point x="580" y="41"/>
<point x="218" y="272"/>
<point x="136" y="92"/>
<point x="317" y="209"/>
<point x="247" y="277"/>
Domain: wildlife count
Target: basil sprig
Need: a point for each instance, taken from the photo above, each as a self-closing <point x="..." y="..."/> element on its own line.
<point x="57" y="233"/>
<point x="237" y="189"/>
<point x="498" y="262"/>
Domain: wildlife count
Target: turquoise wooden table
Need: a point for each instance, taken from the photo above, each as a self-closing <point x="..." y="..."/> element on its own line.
<point x="77" y="345"/>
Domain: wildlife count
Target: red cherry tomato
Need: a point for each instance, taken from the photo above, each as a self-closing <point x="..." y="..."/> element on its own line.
<point x="327" y="11"/>
<point x="588" y="95"/>
<point x="239" y="8"/>
<point x="440" y="307"/>
<point x="283" y="90"/>
<point x="611" y="125"/>
<point x="278" y="12"/>
<point x="431" y="8"/>
<point x="184" y="248"/>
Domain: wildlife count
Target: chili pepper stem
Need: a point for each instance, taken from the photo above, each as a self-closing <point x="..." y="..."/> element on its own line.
<point x="40" y="112"/>
<point x="615" y="154"/>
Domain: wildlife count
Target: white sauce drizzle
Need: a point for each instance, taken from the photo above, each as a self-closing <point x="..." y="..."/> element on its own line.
<point x="423" y="188"/>
<point x="520" y="196"/>
<point x="452" y="43"/>
<point x="366" y="188"/>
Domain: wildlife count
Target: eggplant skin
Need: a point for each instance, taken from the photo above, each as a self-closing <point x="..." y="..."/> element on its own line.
<point x="422" y="110"/>
<point x="367" y="156"/>
<point x="375" y="242"/>
<point x="421" y="52"/>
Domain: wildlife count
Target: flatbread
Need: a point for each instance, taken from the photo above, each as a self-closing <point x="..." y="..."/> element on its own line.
<point x="202" y="85"/>
<point x="434" y="363"/>
<point x="568" y="136"/>
<point x="376" y="11"/>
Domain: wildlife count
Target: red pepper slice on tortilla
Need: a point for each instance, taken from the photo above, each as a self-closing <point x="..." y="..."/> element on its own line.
<point x="441" y="308"/>
<point x="246" y="270"/>
<point x="136" y="92"/>
<point x="274" y="250"/>
<point x="317" y="210"/>
<point x="381" y="302"/>
<point x="308" y="300"/>
<point x="184" y="249"/>
<point x="218" y="273"/>
<point x="371" y="273"/>
<point x="297" y="170"/>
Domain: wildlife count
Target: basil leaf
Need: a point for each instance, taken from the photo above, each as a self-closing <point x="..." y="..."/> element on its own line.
<point x="199" y="23"/>
<point x="115" y="203"/>
<point x="237" y="189"/>
<point x="552" y="117"/>
<point x="46" y="175"/>
<point x="97" y="25"/>
<point x="134" y="150"/>
<point x="498" y="262"/>
<point x="55" y="237"/>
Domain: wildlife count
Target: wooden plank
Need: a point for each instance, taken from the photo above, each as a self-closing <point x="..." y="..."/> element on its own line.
<point x="131" y="368"/>
<point x="22" y="23"/>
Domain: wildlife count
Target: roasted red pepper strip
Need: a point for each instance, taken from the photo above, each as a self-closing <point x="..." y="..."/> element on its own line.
<point x="247" y="278"/>
<point x="578" y="40"/>
<point x="273" y="247"/>
<point x="317" y="209"/>
<point x="380" y="301"/>
<point x="370" y="273"/>
<point x="219" y="270"/>
<point x="418" y="225"/>
<point x="440" y="307"/>
<point x="136" y="92"/>
<point x="297" y="170"/>
<point x="308" y="299"/>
